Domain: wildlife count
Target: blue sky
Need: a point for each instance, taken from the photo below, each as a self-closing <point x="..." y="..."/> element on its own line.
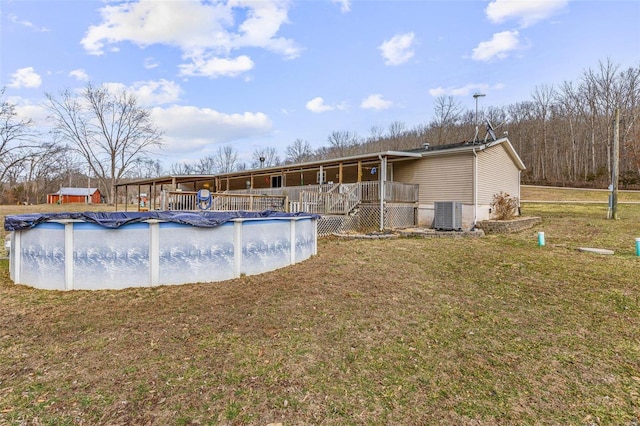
<point x="260" y="74"/>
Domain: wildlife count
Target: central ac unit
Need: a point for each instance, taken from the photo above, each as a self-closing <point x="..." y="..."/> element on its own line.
<point x="447" y="216"/>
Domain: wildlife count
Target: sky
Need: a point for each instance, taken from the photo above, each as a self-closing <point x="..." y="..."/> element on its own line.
<point x="259" y="74"/>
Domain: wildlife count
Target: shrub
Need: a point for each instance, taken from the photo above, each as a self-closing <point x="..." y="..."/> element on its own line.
<point x="505" y="206"/>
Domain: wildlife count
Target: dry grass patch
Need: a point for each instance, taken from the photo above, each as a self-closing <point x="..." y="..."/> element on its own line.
<point x="540" y="193"/>
<point x="405" y="331"/>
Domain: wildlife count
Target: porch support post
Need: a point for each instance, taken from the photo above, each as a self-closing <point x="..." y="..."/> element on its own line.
<point x="359" y="171"/>
<point x="383" y="179"/>
<point x="340" y="173"/>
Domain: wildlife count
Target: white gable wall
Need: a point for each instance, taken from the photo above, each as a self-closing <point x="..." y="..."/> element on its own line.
<point x="496" y="173"/>
<point x="451" y="177"/>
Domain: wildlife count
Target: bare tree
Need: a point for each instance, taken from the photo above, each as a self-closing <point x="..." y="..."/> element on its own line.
<point x="225" y="159"/>
<point x="17" y="138"/>
<point x="446" y="116"/>
<point x="543" y="97"/>
<point x="570" y="104"/>
<point x="299" y="151"/>
<point x="396" y="129"/>
<point x="343" y="143"/>
<point x="269" y="158"/>
<point x="206" y="165"/>
<point x="145" y="167"/>
<point x="375" y="134"/>
<point x="110" y="131"/>
<point x="181" y="169"/>
<point x="45" y="170"/>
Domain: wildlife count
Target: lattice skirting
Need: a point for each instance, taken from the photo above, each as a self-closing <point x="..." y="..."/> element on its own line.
<point x="366" y="218"/>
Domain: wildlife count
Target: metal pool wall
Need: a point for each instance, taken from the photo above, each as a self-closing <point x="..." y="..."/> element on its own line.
<point x="78" y="255"/>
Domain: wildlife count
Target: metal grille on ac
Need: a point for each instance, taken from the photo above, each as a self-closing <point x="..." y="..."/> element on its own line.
<point x="447" y="215"/>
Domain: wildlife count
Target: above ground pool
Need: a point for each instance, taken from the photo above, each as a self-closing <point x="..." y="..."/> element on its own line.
<point x="93" y="251"/>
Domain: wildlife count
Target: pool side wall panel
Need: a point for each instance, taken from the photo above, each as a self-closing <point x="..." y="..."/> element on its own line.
<point x="68" y="255"/>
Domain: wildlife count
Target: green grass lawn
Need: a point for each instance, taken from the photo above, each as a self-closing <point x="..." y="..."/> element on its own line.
<point x="483" y="331"/>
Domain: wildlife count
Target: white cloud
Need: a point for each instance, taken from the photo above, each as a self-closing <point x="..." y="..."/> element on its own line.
<point x="150" y="63"/>
<point x="527" y="12"/>
<point x="190" y="129"/>
<point x="466" y="90"/>
<point x="375" y="102"/>
<point x="263" y="22"/>
<point x="345" y="5"/>
<point x="217" y="67"/>
<point x="27" y="110"/>
<point x="150" y="92"/>
<point x="14" y="19"/>
<point x="318" y="105"/>
<point x="205" y="32"/>
<point x="186" y="24"/>
<point x="79" y="74"/>
<point x="498" y="47"/>
<point x="398" y="49"/>
<point x="25" y="77"/>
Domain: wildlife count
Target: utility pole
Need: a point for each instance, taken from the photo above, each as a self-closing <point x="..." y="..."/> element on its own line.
<point x="614" y="168"/>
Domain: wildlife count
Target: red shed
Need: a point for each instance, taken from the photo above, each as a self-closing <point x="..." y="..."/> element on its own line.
<point x="75" y="195"/>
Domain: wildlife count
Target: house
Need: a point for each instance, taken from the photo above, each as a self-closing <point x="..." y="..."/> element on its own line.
<point x="381" y="190"/>
<point x="75" y="195"/>
<point x="467" y="173"/>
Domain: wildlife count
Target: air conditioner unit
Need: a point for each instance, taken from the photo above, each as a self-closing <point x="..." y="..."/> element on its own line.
<point x="448" y="215"/>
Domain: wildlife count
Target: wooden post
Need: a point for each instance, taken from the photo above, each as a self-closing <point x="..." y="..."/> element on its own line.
<point x="616" y="161"/>
<point x="382" y="174"/>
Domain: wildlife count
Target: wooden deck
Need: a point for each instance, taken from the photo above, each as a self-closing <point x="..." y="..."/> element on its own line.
<point x="334" y="199"/>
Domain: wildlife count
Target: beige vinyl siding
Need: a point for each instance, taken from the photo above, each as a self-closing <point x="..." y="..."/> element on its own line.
<point x="496" y="172"/>
<point x="441" y="177"/>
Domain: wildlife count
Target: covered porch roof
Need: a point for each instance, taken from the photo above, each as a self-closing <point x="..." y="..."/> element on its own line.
<point x="334" y="162"/>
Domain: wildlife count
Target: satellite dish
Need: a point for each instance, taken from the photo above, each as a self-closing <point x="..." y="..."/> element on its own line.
<point x="373" y="170"/>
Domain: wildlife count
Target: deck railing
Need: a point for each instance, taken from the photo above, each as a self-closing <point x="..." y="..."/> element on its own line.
<point x="327" y="202"/>
<point x="187" y="200"/>
<point x="394" y="192"/>
<point x="321" y="199"/>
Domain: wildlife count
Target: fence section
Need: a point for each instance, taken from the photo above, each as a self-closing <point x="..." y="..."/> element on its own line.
<point x="366" y="219"/>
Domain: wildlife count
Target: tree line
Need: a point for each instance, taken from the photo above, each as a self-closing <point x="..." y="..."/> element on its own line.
<point x="563" y="134"/>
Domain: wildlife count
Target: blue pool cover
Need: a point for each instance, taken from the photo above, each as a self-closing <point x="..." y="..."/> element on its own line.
<point x="117" y="219"/>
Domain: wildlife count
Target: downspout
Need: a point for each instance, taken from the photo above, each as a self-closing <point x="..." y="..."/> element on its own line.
<point x="519" y="198"/>
<point x="475" y="188"/>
